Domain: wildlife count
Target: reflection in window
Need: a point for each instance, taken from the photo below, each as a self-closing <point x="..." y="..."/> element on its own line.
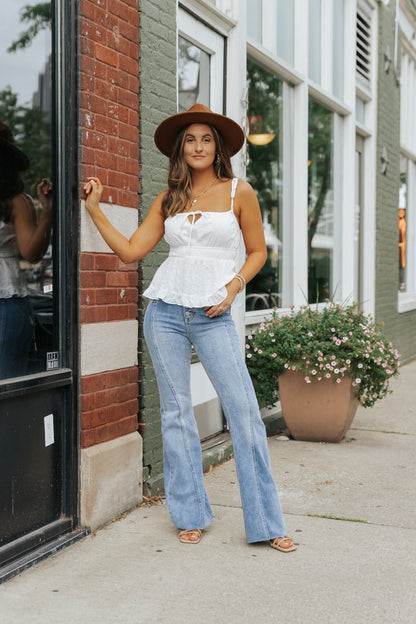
<point x="314" y="40"/>
<point x="193" y="75"/>
<point x="254" y="19"/>
<point x="320" y="203"/>
<point x="264" y="173"/>
<point x="26" y="283"/>
<point x="402" y="222"/>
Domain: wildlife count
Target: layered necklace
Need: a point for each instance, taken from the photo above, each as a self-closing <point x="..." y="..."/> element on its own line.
<point x="195" y="198"/>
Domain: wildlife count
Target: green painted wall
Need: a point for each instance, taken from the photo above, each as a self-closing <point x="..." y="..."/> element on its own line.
<point x="157" y="101"/>
<point x="400" y="328"/>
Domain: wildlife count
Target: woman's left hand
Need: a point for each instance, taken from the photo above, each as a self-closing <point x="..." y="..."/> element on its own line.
<point x="233" y="288"/>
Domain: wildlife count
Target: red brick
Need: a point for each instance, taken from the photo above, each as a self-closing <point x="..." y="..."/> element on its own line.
<point x="87" y="402"/>
<point x="93" y="315"/>
<point x="106" y="296"/>
<point x="121" y="376"/>
<point x="93" y="383"/>
<point x="88" y="438"/>
<point x="128" y="132"/>
<point x="106" y="125"/>
<point x="130" y="295"/>
<point x="95" y="279"/>
<point x="131" y="100"/>
<point x="87" y="261"/>
<point x="129" y="65"/>
<point x="127" y="29"/>
<point x="106" y="262"/>
<point x="87" y="9"/>
<point x="127" y="392"/>
<point x="88" y="296"/>
<point x="106" y="54"/>
<point x="127" y="425"/>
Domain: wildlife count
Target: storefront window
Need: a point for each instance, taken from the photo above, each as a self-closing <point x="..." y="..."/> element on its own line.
<point x="314" y="40"/>
<point x="285" y="29"/>
<point x="264" y="173"/>
<point x="338" y="49"/>
<point x="26" y="256"/>
<point x="402" y="222"/>
<point x="193" y="75"/>
<point x="320" y="203"/>
<point x="254" y="19"/>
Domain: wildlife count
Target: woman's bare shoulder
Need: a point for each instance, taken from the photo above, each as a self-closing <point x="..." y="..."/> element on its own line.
<point x="245" y="194"/>
<point x="22" y="204"/>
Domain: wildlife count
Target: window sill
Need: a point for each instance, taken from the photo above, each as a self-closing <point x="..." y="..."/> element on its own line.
<point x="406" y="302"/>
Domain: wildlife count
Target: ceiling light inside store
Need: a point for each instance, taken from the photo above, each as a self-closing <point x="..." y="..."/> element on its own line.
<point x="261" y="139"/>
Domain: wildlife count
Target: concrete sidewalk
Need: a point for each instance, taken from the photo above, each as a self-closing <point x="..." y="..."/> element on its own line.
<point x="350" y="507"/>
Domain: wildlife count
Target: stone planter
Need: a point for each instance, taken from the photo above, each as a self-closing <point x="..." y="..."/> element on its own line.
<point x="320" y="411"/>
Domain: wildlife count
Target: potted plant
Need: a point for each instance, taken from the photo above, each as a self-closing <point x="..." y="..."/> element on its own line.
<point x="336" y="357"/>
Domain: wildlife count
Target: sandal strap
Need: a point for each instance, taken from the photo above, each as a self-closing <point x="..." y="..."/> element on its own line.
<point x="197" y="532"/>
<point x="279" y="540"/>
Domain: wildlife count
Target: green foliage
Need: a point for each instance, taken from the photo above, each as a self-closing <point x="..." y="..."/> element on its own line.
<point x="335" y="342"/>
<point x="39" y="17"/>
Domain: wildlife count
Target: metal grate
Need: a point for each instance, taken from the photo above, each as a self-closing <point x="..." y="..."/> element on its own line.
<point x="363" y="47"/>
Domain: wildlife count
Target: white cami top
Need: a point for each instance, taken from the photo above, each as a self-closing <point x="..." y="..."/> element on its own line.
<point x="12" y="282"/>
<point x="203" y="251"/>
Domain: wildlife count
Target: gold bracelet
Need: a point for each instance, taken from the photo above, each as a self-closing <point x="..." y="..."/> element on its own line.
<point x="241" y="280"/>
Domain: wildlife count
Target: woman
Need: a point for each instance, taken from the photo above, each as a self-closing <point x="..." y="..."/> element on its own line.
<point x="20" y="237"/>
<point x="202" y="215"/>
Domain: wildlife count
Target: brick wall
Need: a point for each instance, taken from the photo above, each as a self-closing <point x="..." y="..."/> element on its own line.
<point x="157" y="101"/>
<point x="400" y="328"/>
<point x="109" y="119"/>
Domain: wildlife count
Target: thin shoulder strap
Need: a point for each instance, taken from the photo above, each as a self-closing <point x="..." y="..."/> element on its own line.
<point x="233" y="189"/>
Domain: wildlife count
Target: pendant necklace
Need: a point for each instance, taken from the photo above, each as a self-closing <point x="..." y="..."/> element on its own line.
<point x="195" y="198"/>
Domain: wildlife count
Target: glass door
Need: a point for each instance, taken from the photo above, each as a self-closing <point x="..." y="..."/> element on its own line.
<point x="37" y="425"/>
<point x="201" y="80"/>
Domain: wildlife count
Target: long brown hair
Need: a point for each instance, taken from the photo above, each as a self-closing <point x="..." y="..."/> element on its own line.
<point x="180" y="181"/>
<point x="11" y="184"/>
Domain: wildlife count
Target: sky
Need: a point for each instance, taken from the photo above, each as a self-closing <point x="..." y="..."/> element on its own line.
<point x="20" y="69"/>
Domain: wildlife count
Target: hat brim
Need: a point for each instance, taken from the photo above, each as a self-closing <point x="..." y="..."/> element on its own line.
<point x="19" y="159"/>
<point x="168" y="129"/>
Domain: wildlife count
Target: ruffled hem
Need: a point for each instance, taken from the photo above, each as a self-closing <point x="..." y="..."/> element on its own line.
<point x="187" y="301"/>
<point x="193" y="284"/>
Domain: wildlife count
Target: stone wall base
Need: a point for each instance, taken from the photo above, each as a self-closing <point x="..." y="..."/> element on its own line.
<point x="111" y="479"/>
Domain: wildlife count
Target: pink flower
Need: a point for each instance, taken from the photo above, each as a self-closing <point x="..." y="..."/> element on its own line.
<point x="249" y="355"/>
<point x="260" y="351"/>
<point x="274" y="354"/>
<point x="338" y="380"/>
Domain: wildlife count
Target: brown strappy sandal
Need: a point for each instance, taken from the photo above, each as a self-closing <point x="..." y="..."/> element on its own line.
<point x="197" y="533"/>
<point x="277" y="543"/>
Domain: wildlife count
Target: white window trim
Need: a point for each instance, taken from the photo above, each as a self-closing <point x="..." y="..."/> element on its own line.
<point x="213" y="17"/>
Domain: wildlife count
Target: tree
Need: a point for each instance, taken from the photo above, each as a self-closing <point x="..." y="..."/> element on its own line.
<point x="39" y="17"/>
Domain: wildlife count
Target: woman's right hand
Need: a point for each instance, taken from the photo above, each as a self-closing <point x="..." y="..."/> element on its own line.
<point x="93" y="190"/>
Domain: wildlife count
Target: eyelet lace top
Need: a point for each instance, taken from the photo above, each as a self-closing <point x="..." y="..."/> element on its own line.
<point x="203" y="249"/>
<point x="12" y="282"/>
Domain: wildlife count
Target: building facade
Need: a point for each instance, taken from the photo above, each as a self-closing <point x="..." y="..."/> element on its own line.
<point x="325" y="90"/>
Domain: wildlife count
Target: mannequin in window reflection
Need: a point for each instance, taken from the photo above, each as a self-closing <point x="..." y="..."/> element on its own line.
<point x="402" y="245"/>
<point x="21" y="236"/>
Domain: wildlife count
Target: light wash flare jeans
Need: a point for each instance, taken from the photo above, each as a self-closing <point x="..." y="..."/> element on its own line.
<point x="170" y="330"/>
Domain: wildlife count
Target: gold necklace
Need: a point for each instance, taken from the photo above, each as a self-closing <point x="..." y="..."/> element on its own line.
<point x="195" y="198"/>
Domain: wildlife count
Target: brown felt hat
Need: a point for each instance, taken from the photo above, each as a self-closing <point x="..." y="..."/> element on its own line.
<point x="17" y="158"/>
<point x="168" y="129"/>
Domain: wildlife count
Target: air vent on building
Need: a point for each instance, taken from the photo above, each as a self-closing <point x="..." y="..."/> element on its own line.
<point x="363" y="47"/>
